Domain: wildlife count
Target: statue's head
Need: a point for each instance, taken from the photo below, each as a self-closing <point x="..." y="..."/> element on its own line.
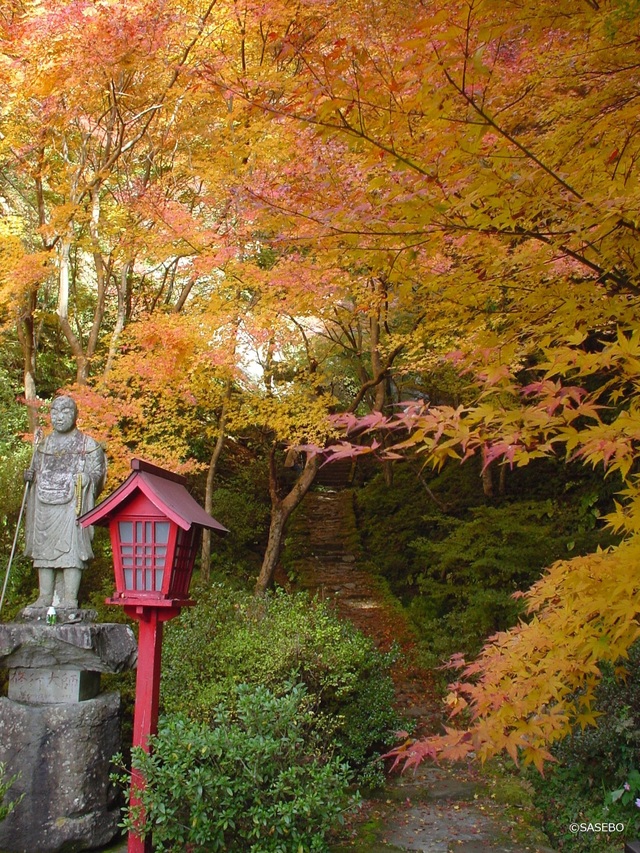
<point x="64" y="413"/>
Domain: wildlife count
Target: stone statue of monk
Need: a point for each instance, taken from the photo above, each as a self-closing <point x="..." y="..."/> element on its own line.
<point x="67" y="474"/>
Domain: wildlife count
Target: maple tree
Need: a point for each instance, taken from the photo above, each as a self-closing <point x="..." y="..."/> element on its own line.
<point x="176" y="383"/>
<point x="91" y="143"/>
<point x="488" y="154"/>
<point x="133" y="218"/>
<point x="262" y="191"/>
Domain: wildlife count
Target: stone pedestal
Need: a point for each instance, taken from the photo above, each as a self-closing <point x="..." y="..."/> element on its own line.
<point x="58" y="734"/>
<point x="31" y="613"/>
<point x="63" y="755"/>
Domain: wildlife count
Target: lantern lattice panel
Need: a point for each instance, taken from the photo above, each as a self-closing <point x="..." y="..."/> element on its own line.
<point x="186" y="546"/>
<point x="143" y="552"/>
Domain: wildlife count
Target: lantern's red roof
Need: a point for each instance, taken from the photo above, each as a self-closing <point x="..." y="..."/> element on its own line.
<point x="164" y="489"/>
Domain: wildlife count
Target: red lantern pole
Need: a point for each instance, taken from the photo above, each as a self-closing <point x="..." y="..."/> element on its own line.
<point x="154" y="525"/>
<point x="145" y="718"/>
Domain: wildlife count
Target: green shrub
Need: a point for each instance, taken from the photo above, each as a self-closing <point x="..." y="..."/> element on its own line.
<point x="256" y="781"/>
<point x="231" y="638"/>
<point x="492" y="546"/>
<point x="389" y="518"/>
<point x="240" y="502"/>
<point x="470" y="567"/>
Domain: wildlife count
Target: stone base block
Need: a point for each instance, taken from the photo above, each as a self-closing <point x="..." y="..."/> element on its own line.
<point x="62" y="754"/>
<point x="64" y="615"/>
<point x="50" y="686"/>
<point x="100" y="647"/>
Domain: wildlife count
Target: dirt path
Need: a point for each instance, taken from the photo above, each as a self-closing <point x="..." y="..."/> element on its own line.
<point x="437" y="809"/>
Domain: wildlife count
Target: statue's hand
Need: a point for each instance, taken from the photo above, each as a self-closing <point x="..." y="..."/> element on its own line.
<point x="29" y="475"/>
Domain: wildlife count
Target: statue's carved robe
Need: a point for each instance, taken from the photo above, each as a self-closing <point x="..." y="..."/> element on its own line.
<point x="58" y="494"/>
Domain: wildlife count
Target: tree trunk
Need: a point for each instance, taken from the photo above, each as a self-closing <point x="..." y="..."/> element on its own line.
<point x="205" y="554"/>
<point x="377" y="368"/>
<point x="82" y="365"/>
<point x="26" y="336"/>
<point x="26" y="324"/>
<point x="502" y="480"/>
<point x="487" y="476"/>
<point x="427" y="488"/>
<point x="280" y="512"/>
<point x="273" y="549"/>
<point x="102" y="275"/>
<point x="121" y="317"/>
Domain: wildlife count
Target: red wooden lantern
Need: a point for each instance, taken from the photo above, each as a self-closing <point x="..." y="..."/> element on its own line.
<point x="155" y="528"/>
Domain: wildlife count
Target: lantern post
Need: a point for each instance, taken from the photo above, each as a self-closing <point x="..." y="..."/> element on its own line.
<point x="155" y="528"/>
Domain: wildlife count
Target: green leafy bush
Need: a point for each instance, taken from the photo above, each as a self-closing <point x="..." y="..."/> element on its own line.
<point x="471" y="566"/>
<point x="621" y="805"/>
<point x="240" y="502"/>
<point x="231" y="638"/>
<point x="255" y="781"/>
<point x="391" y="517"/>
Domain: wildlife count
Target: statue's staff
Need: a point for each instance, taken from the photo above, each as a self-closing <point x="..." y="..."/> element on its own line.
<point x="37" y="438"/>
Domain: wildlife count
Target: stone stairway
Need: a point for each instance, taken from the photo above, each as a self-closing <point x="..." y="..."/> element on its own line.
<point x="435" y="809"/>
<point x="329" y="566"/>
<point x="337" y="475"/>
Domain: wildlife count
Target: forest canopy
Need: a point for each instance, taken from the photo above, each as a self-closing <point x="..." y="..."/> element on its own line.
<point x="230" y="218"/>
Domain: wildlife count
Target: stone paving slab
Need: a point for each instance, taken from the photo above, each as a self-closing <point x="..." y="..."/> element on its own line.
<point x="443" y="827"/>
<point x="442" y="810"/>
<point x="448" y="810"/>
